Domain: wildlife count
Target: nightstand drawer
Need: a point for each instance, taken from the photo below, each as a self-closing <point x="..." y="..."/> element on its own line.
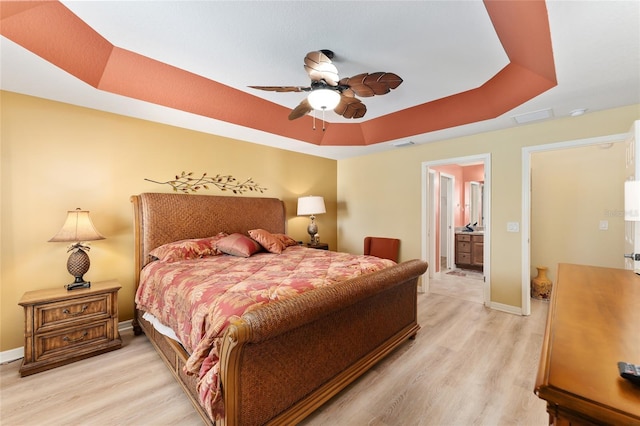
<point x="51" y="315"/>
<point x="71" y="340"/>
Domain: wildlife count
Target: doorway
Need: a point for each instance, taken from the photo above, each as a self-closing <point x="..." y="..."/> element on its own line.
<point x="527" y="154"/>
<point x="438" y="236"/>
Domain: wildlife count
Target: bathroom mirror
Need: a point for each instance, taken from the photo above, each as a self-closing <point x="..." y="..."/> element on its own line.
<point x="474" y="202"/>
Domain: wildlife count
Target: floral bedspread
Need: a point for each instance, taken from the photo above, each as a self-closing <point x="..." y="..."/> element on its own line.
<point x="198" y="298"/>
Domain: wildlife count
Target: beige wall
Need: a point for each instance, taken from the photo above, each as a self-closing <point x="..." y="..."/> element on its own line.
<point x="56" y="157"/>
<point x="380" y="194"/>
<point x="565" y="219"/>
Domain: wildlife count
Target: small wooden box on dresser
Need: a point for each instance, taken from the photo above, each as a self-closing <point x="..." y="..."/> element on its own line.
<point x="64" y="326"/>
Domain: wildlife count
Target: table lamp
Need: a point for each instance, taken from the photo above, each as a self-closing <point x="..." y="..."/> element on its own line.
<point x="78" y="228"/>
<point x="311" y="205"/>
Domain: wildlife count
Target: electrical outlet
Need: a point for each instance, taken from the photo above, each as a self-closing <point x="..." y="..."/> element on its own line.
<point x="513" y="227"/>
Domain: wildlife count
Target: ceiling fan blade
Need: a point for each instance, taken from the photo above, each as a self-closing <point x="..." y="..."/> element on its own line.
<point x="347" y="92"/>
<point x="301" y="110"/>
<point x="390" y="79"/>
<point x="356" y="83"/>
<point x="350" y="107"/>
<point x="282" y="88"/>
<point x="319" y="67"/>
<point x="377" y="83"/>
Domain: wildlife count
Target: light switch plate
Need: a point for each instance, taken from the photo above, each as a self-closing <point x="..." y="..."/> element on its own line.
<point x="604" y="225"/>
<point x="513" y="227"/>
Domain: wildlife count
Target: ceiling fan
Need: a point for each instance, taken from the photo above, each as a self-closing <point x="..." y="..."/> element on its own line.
<point x="329" y="92"/>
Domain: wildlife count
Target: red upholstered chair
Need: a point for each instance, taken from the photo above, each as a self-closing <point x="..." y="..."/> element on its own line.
<point x="385" y="248"/>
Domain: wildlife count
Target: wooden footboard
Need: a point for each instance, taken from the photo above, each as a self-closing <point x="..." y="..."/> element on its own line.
<point x="299" y="353"/>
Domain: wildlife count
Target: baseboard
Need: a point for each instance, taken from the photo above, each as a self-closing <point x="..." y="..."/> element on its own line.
<point x="125" y="325"/>
<point x="506" y="308"/>
<point x="11" y="355"/>
<point x="17" y="353"/>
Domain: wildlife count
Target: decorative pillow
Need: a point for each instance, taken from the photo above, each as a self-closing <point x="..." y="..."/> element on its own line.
<point x="267" y="240"/>
<point x="238" y="245"/>
<point x="286" y="240"/>
<point x="187" y="249"/>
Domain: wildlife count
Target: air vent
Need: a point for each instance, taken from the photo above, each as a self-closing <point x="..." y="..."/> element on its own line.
<point x="543" y="114"/>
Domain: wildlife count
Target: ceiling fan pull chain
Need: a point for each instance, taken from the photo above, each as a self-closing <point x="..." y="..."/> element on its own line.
<point x="323" y="128"/>
<point x="314" y="119"/>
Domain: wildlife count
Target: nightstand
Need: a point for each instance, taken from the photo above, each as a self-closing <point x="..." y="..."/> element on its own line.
<point x="320" y="246"/>
<point x="64" y="326"/>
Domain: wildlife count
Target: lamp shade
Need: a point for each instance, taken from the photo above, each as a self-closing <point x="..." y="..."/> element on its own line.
<point x="320" y="99"/>
<point x="77" y="227"/>
<point x="311" y="205"/>
<point x="632" y="200"/>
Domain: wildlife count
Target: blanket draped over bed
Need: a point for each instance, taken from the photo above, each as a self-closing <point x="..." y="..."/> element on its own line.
<point x="198" y="298"/>
<point x="268" y="338"/>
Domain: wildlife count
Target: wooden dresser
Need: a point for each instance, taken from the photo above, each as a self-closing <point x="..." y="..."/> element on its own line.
<point x="64" y="326"/>
<point x="593" y="322"/>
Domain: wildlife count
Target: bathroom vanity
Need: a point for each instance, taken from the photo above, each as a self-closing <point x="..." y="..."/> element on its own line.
<point x="470" y="250"/>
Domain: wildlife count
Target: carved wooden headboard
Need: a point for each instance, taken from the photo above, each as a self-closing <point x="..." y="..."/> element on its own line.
<point x="161" y="218"/>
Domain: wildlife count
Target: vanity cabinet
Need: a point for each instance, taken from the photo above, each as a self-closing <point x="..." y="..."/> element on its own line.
<point x="470" y="250"/>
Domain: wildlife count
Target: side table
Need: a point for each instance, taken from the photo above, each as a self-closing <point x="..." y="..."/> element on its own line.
<point x="319" y="246"/>
<point x="63" y="326"/>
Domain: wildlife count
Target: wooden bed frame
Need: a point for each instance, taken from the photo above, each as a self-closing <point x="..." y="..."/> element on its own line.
<point x="282" y="361"/>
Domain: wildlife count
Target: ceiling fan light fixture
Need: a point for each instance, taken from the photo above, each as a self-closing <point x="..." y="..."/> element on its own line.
<point x="324" y="99"/>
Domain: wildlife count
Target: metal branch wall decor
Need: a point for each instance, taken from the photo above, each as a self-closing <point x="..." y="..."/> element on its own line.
<point x="185" y="182"/>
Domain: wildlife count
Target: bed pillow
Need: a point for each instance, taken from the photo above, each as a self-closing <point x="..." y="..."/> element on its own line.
<point x="266" y="239"/>
<point x="238" y="245"/>
<point x="188" y="249"/>
<point x="286" y="240"/>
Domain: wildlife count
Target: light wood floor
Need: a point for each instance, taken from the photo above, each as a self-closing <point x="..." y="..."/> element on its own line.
<point x="469" y="365"/>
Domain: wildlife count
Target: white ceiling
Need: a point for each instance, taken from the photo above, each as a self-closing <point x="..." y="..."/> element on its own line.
<point x="439" y="48"/>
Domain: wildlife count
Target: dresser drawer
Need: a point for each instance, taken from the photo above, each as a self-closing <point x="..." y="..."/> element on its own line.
<point x="52" y="315"/>
<point x="71" y="340"/>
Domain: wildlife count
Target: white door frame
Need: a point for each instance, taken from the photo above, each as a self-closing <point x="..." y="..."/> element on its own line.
<point x="428" y="223"/>
<point x="450" y="220"/>
<point x="632" y="172"/>
<point x="431" y="219"/>
<point x="526" y="202"/>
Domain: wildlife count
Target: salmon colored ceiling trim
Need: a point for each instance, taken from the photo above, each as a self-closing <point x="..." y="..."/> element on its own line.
<point x="52" y="32"/>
